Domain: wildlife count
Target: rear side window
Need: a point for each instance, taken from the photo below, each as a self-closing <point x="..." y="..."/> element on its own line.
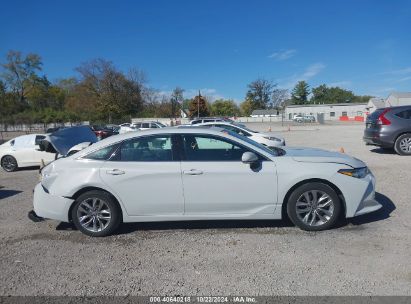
<point x="145" y="125"/>
<point x="102" y="154"/>
<point x="147" y="149"/>
<point x="404" y="114"/>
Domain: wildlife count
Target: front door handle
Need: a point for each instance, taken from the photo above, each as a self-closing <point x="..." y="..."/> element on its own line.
<point x="193" y="172"/>
<point x="115" y="172"/>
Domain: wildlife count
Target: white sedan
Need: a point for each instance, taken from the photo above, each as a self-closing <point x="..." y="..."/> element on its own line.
<point x="266" y="139"/>
<point x="174" y="174"/>
<point x="23" y="151"/>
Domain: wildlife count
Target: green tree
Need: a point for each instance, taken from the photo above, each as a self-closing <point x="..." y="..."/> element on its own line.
<point x="198" y="107"/>
<point x="300" y="93"/>
<point x="222" y="107"/>
<point x="176" y="101"/>
<point x="259" y="93"/>
<point x="246" y="108"/>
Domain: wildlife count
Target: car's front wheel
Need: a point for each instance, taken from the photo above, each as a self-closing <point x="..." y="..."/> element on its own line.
<point x="403" y="144"/>
<point x="314" y="206"/>
<point x="9" y="163"/>
<point x="96" y="213"/>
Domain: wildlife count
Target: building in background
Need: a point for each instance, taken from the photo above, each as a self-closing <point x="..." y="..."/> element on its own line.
<point x="265" y="113"/>
<point x="374" y="104"/>
<point x="336" y="111"/>
<point x="398" y="99"/>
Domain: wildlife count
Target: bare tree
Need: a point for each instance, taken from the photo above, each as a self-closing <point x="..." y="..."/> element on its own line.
<point x="20" y="72"/>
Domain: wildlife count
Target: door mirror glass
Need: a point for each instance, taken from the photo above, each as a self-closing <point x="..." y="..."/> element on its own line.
<point x="249" y="158"/>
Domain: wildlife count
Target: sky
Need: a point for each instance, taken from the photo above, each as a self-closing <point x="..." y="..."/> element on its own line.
<point x="221" y="46"/>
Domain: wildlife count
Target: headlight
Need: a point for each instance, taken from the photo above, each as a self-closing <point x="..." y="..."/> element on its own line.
<point x="273" y="138"/>
<point x="357" y="172"/>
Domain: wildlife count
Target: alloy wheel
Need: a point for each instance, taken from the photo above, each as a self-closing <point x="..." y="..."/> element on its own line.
<point x="405" y="145"/>
<point x="8" y="163"/>
<point x="314" y="208"/>
<point x="94" y="214"/>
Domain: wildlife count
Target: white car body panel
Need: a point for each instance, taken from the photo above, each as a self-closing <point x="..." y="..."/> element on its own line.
<point x="161" y="191"/>
<point x="228" y="195"/>
<point x="25" y="151"/>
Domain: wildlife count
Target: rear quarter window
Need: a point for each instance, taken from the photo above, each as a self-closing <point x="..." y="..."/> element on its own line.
<point x="404" y="114"/>
<point x="103" y="153"/>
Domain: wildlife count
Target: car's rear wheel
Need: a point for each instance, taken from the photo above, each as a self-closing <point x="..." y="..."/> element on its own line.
<point x="96" y="213"/>
<point x="314" y="206"/>
<point x="9" y="163"/>
<point x="403" y="144"/>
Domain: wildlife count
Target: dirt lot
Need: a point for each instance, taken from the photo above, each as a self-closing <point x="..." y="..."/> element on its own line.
<point x="369" y="255"/>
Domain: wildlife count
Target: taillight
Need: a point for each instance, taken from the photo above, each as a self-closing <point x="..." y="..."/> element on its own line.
<point x="382" y="120"/>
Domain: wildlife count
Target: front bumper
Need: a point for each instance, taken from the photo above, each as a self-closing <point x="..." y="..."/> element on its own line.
<point x="50" y="206"/>
<point x="359" y="194"/>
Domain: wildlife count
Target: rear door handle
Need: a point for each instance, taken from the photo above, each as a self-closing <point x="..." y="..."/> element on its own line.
<point x="193" y="172"/>
<point x="115" y="172"/>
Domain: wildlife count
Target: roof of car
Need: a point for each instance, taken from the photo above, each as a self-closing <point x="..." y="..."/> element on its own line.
<point x="166" y="130"/>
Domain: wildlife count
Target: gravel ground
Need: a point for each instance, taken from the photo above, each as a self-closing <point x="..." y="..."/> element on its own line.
<point x="369" y="255"/>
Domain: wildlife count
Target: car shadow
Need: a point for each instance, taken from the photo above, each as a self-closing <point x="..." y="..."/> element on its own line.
<point x="383" y="151"/>
<point x="8" y="193"/>
<point x="29" y="168"/>
<point x="387" y="208"/>
<point x="202" y="225"/>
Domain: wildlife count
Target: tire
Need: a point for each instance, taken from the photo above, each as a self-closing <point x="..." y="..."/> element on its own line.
<point x="94" y="223"/>
<point x="403" y="144"/>
<point x="9" y="163"/>
<point x="314" y="215"/>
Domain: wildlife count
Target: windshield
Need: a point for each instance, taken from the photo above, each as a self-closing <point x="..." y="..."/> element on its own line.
<point x="274" y="152"/>
<point x="244" y="127"/>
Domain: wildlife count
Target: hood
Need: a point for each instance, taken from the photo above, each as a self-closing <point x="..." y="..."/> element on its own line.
<point x="64" y="139"/>
<point x="312" y="155"/>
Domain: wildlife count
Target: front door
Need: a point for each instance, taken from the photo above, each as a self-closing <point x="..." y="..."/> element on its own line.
<point x="146" y="176"/>
<point x="216" y="182"/>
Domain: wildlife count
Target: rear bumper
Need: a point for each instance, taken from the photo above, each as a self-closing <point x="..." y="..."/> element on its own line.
<point x="50" y="206"/>
<point x="378" y="138"/>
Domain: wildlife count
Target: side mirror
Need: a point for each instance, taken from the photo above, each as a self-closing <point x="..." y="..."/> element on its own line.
<point x="249" y="158"/>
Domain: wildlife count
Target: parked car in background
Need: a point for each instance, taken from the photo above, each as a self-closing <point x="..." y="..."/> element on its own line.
<point x="305" y="118"/>
<point x="199" y="120"/>
<point x="266" y="139"/>
<point x="126" y="127"/>
<point x="104" y="131"/>
<point x="175" y="174"/>
<point x="23" y="151"/>
<point x="145" y="125"/>
<point x="390" y="128"/>
<point x="68" y="141"/>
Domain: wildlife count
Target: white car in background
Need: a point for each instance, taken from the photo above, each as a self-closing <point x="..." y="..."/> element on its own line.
<point x="146" y="125"/>
<point x="23" y="151"/>
<point x="266" y="139"/>
<point x="126" y="127"/>
<point x="175" y="174"/>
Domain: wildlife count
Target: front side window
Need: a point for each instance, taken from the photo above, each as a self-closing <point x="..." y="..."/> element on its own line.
<point x="145" y="125"/>
<point x="146" y="149"/>
<point x="211" y="148"/>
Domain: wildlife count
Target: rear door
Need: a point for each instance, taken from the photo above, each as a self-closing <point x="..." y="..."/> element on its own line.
<point x="145" y="174"/>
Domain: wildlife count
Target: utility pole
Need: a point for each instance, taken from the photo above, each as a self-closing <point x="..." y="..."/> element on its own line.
<point x="198" y="104"/>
